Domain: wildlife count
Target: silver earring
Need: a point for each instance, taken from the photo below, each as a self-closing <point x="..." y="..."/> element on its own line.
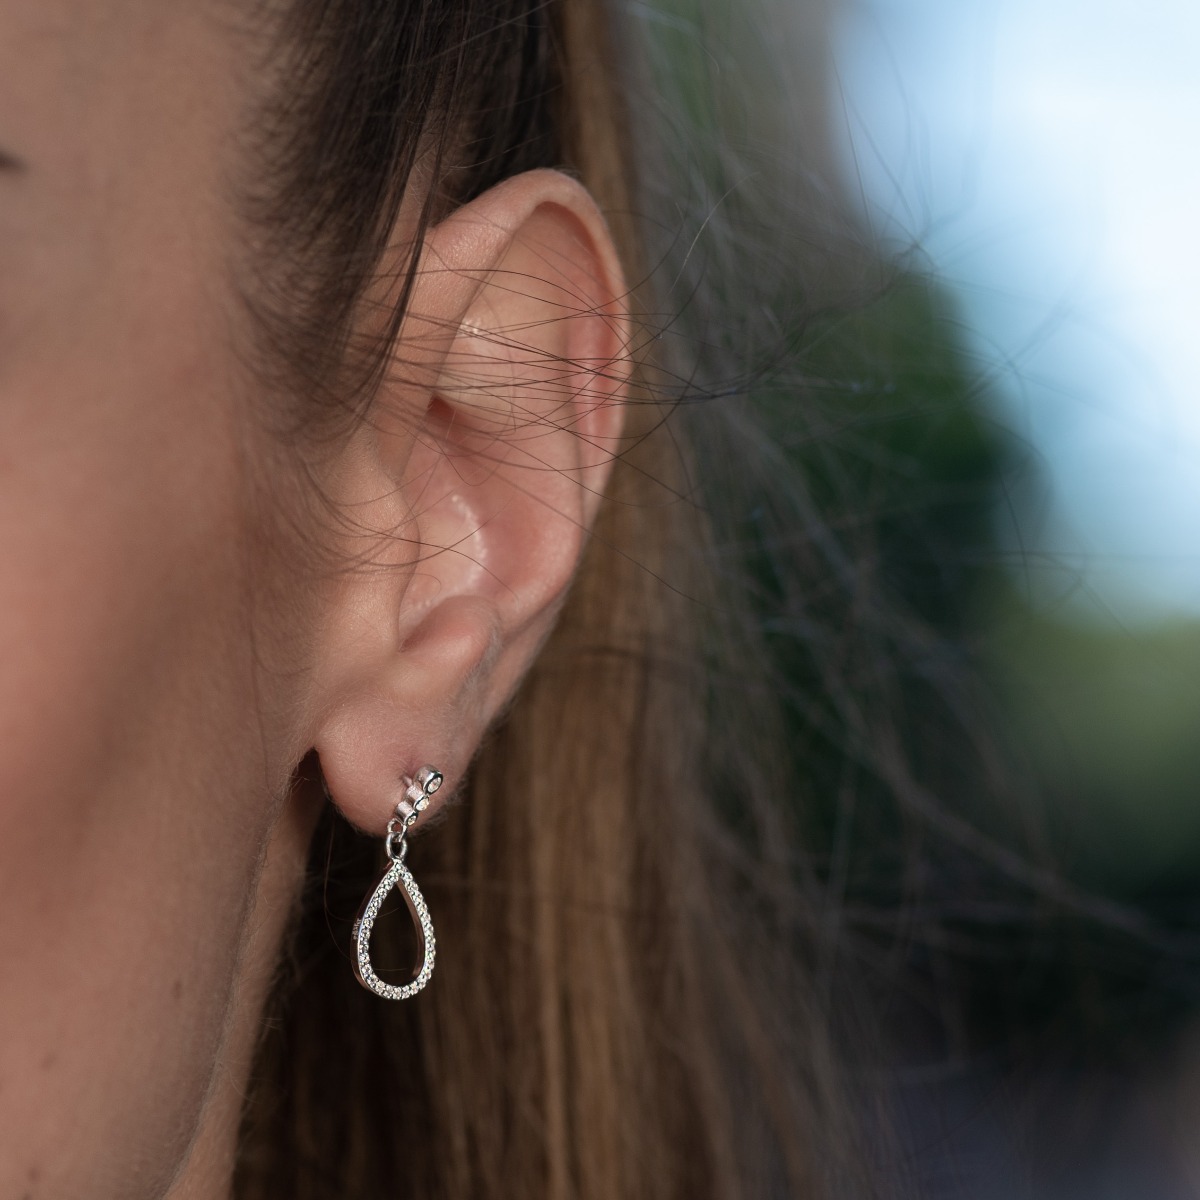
<point x="414" y="801"/>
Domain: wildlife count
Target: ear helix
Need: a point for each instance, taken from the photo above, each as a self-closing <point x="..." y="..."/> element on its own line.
<point x="417" y="792"/>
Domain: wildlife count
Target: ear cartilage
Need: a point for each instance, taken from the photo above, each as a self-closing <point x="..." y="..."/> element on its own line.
<point x="414" y="800"/>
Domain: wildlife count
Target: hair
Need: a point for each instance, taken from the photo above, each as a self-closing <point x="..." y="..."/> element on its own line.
<point x="633" y="994"/>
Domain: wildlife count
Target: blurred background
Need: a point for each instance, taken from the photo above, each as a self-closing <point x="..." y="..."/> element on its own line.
<point x="1009" y="415"/>
<point x="1042" y="157"/>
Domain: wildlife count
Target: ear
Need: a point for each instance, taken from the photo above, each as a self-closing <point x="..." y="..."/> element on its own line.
<point x="469" y="494"/>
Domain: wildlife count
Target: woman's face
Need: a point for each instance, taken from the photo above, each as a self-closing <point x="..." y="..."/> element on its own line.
<point x="146" y="722"/>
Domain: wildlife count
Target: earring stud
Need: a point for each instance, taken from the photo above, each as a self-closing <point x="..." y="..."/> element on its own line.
<point x="415" y="800"/>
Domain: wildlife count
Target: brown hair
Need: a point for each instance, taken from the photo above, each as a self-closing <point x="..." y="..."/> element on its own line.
<point x="623" y="1004"/>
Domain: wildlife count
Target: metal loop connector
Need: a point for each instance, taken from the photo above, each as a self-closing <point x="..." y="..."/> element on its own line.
<point x="396" y="844"/>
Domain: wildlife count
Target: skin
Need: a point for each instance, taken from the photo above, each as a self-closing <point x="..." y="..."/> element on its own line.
<point x="132" y="836"/>
<point x="157" y="695"/>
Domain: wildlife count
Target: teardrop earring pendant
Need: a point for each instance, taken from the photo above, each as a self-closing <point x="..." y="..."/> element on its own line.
<point x="417" y="791"/>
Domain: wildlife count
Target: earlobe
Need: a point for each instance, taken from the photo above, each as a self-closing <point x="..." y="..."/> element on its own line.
<point x="491" y="442"/>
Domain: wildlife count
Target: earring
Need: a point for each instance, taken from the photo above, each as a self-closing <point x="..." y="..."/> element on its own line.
<point x="414" y="801"/>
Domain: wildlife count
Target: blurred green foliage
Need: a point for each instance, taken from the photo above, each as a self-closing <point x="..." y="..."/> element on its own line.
<point x="1095" y="729"/>
<point x="909" y="453"/>
<point x="1111" y="720"/>
<point x="912" y="461"/>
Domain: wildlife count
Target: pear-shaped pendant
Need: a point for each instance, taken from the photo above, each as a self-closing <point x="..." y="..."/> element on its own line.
<point x="414" y="801"/>
<point x="400" y="877"/>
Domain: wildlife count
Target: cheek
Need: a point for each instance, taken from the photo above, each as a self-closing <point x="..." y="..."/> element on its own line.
<point x="135" y="781"/>
<point x="142" y="742"/>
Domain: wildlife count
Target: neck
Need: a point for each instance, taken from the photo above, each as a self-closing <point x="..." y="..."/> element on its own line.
<point x="207" y="1173"/>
